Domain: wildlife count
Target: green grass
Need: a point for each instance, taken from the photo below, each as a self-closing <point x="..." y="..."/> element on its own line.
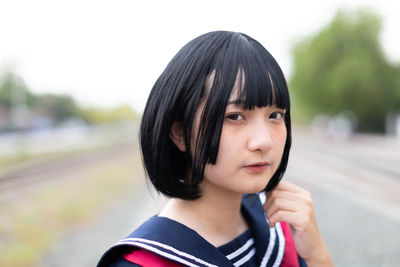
<point x="30" y="225"/>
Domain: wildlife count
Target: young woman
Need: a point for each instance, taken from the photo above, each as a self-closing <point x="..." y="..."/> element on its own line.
<point x="215" y="138"/>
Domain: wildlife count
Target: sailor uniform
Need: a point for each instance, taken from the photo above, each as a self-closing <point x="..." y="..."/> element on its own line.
<point x="177" y="243"/>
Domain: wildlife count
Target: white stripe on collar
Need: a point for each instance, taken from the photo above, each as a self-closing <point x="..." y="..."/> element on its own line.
<point x="139" y="241"/>
<point x="263" y="197"/>
<point x="270" y="248"/>
<point x="245" y="258"/>
<point x="241" y="249"/>
<point x="281" y="250"/>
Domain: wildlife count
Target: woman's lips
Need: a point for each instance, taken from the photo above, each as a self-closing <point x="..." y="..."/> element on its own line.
<point x="258" y="166"/>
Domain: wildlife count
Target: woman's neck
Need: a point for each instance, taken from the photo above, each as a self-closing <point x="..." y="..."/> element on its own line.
<point x="216" y="216"/>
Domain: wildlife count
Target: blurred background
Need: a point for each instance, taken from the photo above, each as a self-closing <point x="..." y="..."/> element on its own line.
<point x="74" y="78"/>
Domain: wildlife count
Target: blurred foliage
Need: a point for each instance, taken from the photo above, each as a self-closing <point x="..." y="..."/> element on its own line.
<point x="99" y="115"/>
<point x="14" y="90"/>
<point x="59" y="107"/>
<point x="343" y="68"/>
<point x="53" y="108"/>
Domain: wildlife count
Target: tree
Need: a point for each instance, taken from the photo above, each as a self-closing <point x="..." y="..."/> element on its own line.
<point x="15" y="94"/>
<point x="13" y="91"/>
<point x="59" y="107"/>
<point x="343" y="68"/>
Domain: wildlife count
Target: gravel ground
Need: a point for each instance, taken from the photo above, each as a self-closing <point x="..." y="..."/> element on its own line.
<point x="84" y="245"/>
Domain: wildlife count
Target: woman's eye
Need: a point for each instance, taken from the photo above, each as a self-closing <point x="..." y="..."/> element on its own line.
<point x="277" y="115"/>
<point x="235" y="117"/>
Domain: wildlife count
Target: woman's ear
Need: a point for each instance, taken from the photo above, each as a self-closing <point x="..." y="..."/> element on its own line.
<point x="176" y="136"/>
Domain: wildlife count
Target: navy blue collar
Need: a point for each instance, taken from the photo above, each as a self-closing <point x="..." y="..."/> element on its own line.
<point x="179" y="243"/>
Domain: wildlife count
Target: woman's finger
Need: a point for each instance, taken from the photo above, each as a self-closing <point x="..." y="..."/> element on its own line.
<point x="281" y="204"/>
<point x="287" y="186"/>
<point x="297" y="200"/>
<point x="276" y="194"/>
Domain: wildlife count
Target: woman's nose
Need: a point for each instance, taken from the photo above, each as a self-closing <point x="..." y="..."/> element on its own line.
<point x="260" y="138"/>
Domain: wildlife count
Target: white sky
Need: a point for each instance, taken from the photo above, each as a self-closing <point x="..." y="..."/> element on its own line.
<point x="111" y="52"/>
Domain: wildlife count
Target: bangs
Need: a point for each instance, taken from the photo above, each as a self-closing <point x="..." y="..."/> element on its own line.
<point x="259" y="87"/>
<point x="246" y="68"/>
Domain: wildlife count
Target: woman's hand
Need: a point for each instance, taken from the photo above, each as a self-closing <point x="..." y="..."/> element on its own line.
<point x="292" y="204"/>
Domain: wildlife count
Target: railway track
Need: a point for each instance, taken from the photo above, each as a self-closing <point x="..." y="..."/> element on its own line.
<point x="37" y="172"/>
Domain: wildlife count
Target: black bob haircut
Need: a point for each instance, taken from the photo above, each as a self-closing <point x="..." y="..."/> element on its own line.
<point x="205" y="71"/>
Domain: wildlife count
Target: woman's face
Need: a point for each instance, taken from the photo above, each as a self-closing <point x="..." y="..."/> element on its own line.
<point x="250" y="149"/>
